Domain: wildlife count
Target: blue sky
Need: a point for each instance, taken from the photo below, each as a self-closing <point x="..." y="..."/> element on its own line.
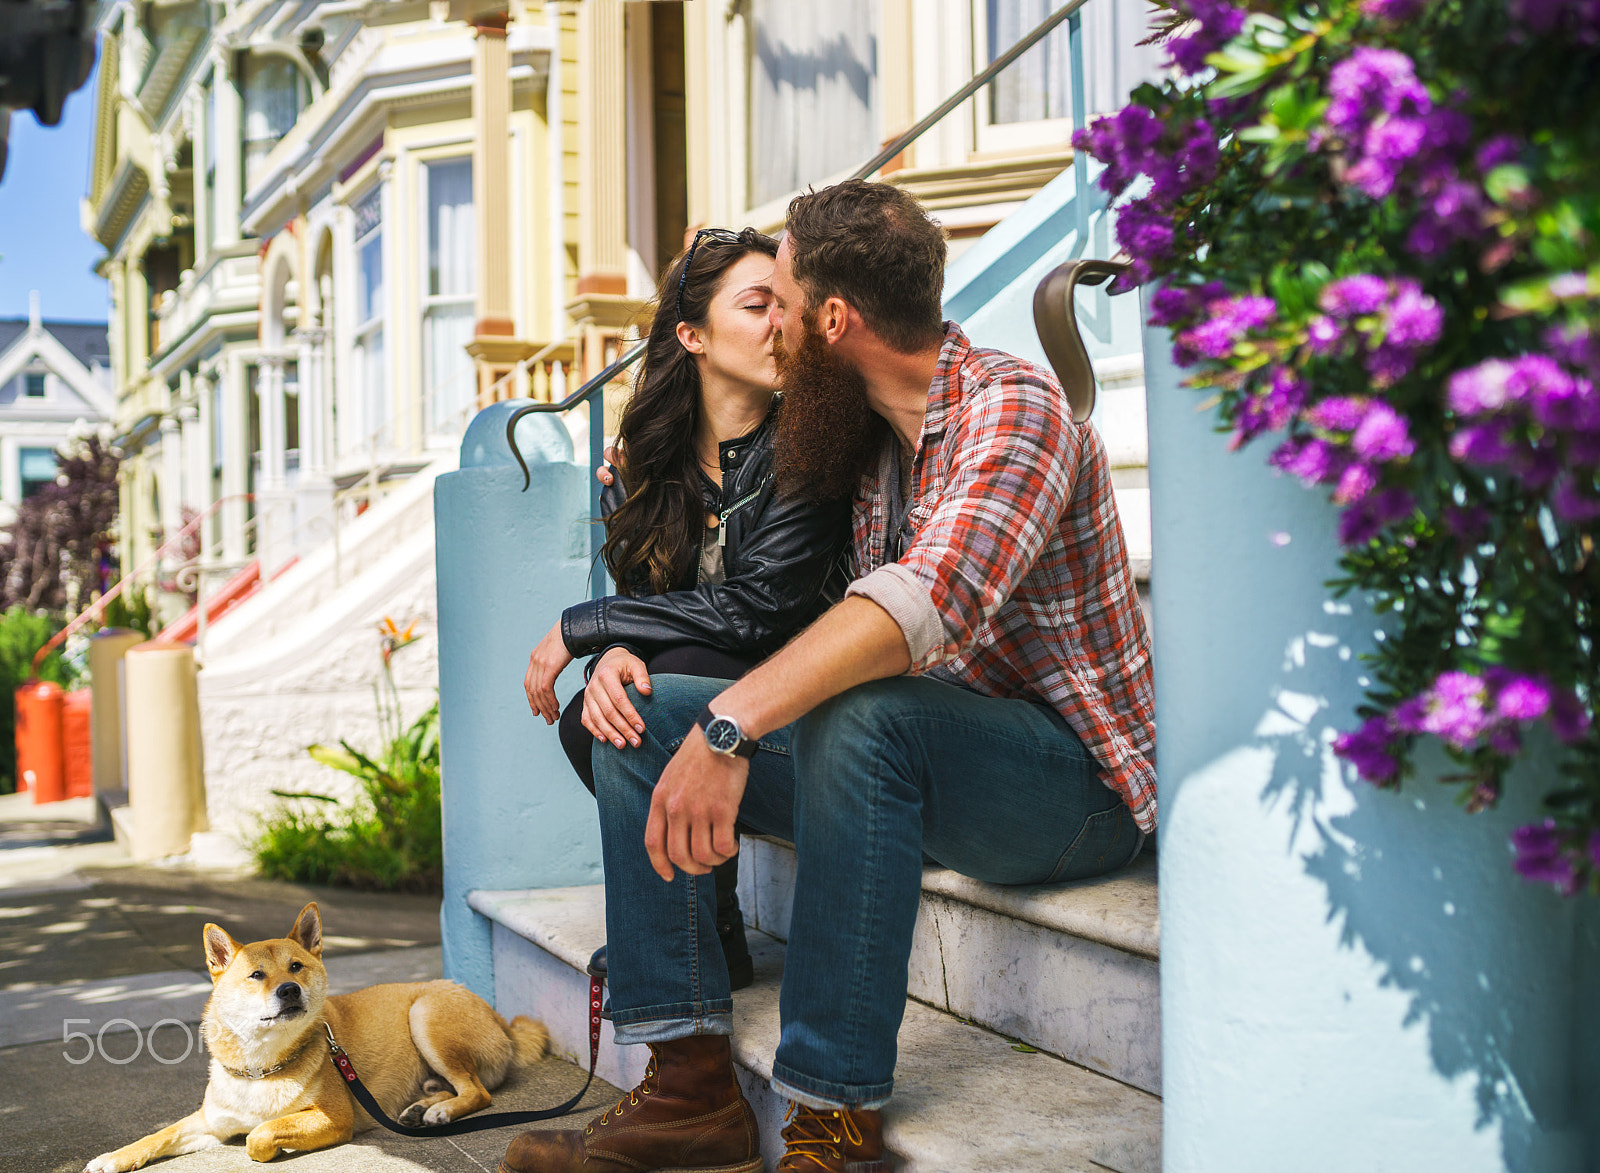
<point x="41" y="245"/>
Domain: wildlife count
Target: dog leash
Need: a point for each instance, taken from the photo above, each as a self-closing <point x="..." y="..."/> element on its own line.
<point x="341" y="1060"/>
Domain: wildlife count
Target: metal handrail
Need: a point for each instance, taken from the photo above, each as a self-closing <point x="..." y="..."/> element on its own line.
<point x="1067" y="12"/>
<point x="95" y="609"/>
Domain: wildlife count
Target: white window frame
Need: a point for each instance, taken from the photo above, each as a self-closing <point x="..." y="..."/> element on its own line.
<point x="364" y="330"/>
<point x="1010" y="138"/>
<point x="47" y="382"/>
<point x="430" y="301"/>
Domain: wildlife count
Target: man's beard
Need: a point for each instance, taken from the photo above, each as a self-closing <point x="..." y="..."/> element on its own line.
<point x="828" y="435"/>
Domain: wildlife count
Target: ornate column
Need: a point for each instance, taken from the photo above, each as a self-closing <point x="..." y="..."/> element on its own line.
<point x="494" y="346"/>
<point x="270" y="390"/>
<point x="171" y="476"/>
<point x="235" y="456"/>
<point x="226" y="134"/>
<point x="312" y="342"/>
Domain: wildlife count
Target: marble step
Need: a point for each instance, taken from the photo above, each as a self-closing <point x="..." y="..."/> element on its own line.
<point x="1072" y="969"/>
<point x="966" y="1101"/>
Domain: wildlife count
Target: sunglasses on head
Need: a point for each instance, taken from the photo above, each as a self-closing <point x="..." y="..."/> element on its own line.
<point x="724" y="235"/>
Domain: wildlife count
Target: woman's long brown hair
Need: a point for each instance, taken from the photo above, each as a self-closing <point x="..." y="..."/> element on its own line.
<point x="654" y="536"/>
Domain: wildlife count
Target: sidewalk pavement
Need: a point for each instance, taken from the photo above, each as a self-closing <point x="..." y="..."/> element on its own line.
<point x="92" y="944"/>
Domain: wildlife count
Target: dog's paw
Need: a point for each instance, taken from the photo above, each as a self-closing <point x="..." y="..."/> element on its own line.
<point x="260" y="1146"/>
<point x="104" y="1163"/>
<point x="438" y="1114"/>
<point x="412" y="1116"/>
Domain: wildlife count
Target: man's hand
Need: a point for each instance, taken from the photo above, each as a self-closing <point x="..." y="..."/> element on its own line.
<point x="546" y="663"/>
<point x="607" y="711"/>
<point x="693" y="809"/>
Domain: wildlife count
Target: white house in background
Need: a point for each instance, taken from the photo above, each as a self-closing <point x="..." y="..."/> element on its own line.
<point x="55" y="382"/>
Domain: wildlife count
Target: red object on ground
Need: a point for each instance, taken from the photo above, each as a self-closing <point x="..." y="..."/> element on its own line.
<point x="39" y="742"/>
<point x="76" y="746"/>
<point x="233" y="592"/>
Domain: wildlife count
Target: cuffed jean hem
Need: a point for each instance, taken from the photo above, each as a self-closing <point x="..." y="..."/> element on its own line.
<point x="680" y="1022"/>
<point x="822" y="1095"/>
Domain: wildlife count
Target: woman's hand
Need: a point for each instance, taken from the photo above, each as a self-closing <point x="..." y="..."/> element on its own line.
<point x="607" y="712"/>
<point x="603" y="474"/>
<point x="546" y="663"/>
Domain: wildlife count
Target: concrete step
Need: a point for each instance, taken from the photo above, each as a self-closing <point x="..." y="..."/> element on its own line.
<point x="1072" y="969"/>
<point x="965" y="1098"/>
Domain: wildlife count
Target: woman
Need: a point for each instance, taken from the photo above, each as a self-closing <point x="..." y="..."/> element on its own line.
<point x="715" y="569"/>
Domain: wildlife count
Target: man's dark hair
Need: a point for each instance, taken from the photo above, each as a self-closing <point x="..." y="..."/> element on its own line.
<point x="873" y="245"/>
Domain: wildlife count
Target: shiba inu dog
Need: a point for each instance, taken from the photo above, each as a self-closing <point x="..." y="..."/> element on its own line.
<point x="428" y="1051"/>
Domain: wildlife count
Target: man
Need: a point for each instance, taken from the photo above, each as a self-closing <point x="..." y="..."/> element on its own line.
<point x="982" y="695"/>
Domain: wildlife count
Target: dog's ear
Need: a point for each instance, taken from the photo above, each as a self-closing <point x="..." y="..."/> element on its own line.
<point x="220" y="949"/>
<point x="307" y="931"/>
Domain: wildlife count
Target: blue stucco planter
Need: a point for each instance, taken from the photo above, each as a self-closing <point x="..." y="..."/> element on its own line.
<point x="1352" y="979"/>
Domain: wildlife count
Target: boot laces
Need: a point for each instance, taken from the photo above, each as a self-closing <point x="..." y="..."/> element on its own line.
<point x="816" y="1136"/>
<point x="646" y="1086"/>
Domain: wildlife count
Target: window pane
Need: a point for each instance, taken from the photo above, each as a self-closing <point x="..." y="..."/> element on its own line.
<point x="1037" y="85"/>
<point x="271" y="104"/>
<point x="369" y="279"/>
<point x="37" y="467"/>
<point x="451" y="388"/>
<point x="813" y="92"/>
<point x="34" y="385"/>
<point x="452" y="245"/>
<point x="374" y="391"/>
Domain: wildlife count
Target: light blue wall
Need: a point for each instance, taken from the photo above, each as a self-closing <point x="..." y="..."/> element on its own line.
<point x="509" y="562"/>
<point x="989" y="288"/>
<point x="1351" y="979"/>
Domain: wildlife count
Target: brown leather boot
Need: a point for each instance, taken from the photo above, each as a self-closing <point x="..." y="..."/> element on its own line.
<point x="841" y="1140"/>
<point x="689" y="1114"/>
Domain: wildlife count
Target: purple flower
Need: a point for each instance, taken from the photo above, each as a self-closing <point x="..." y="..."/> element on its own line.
<point x="1228" y="320"/>
<point x="1324" y="334"/>
<point x="1313" y="461"/>
<point x="1365" y="520"/>
<point x="1485" y="445"/>
<point x="1370" y="749"/>
<point x="1576" y="345"/>
<point x="1396" y="11"/>
<point x="1388" y="363"/>
<point x="1145" y="231"/>
<point x="1354" y="484"/>
<point x="1218" y="24"/>
<point x="1453" y="212"/>
<point x="1350" y="297"/>
<point x="1481" y="389"/>
<point x="1382" y="435"/>
<point x="1456" y="708"/>
<point x="1522" y="698"/>
<point x="1572" y="503"/>
<point x="1339" y="413"/>
<point x="1540" y="856"/>
<point x="1502" y="148"/>
<point x="1412" y="319"/>
<point x="1385" y="150"/>
<point x="1371" y="82"/>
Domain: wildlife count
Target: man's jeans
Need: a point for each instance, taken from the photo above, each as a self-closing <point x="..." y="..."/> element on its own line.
<point x="1001" y="790"/>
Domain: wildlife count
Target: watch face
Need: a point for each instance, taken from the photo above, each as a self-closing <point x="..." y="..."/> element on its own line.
<point x="722" y="735"/>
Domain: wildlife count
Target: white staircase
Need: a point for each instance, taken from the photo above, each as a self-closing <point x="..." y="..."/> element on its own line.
<point x="1068" y="970"/>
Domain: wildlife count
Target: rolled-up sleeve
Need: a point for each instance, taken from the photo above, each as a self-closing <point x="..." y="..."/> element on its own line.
<point x="904" y="596"/>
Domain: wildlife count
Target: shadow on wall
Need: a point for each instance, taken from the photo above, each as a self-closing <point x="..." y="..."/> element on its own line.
<point x="1505" y="975"/>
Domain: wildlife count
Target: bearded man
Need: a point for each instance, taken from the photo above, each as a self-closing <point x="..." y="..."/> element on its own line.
<point x="981" y="697"/>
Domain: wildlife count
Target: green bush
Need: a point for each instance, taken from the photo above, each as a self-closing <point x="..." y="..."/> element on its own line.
<point x="389" y="840"/>
<point x="23" y="633"/>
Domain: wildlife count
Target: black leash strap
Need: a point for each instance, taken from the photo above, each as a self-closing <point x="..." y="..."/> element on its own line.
<point x="471" y="1123"/>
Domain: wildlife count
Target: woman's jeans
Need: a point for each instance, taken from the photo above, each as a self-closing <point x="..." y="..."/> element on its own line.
<point x="1000" y="790"/>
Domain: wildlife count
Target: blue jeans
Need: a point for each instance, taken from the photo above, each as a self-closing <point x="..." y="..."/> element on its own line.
<point x="1000" y="790"/>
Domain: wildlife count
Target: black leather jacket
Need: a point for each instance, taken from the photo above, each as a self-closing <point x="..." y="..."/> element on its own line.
<point x="783" y="564"/>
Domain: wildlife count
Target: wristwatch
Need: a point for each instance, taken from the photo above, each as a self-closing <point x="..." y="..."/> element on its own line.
<point x="724" y="736"/>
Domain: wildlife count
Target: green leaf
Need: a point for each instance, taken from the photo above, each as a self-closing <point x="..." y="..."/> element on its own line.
<point x="1024" y="1048"/>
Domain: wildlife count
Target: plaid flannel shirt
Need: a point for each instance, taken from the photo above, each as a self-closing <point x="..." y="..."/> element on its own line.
<point x="1017" y="579"/>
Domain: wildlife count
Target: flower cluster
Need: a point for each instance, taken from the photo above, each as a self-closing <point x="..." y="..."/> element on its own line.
<point x="1177" y="159"/>
<point x="1546" y="855"/>
<point x="1364" y="240"/>
<point x="1533" y="418"/>
<point x="1387" y="321"/>
<point x="1395" y="137"/>
<point x="1466" y="711"/>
